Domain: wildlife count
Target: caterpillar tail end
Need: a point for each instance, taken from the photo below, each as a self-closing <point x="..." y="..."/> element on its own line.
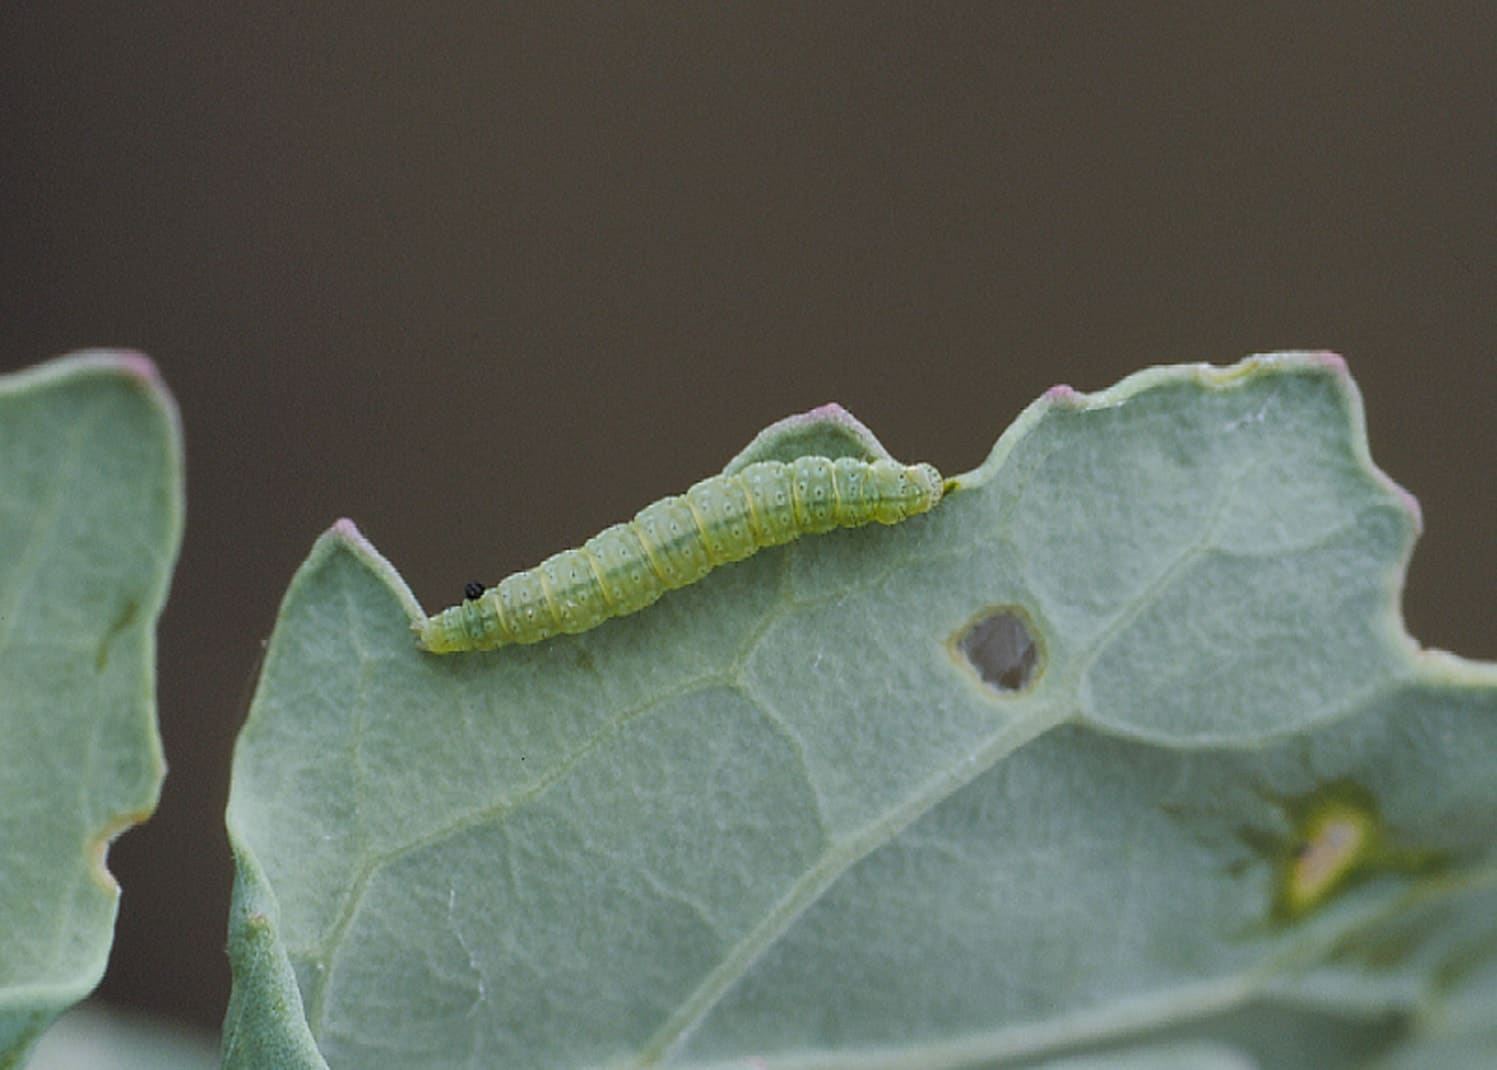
<point x="432" y="636"/>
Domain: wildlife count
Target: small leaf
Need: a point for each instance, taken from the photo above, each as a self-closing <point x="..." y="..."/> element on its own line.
<point x="90" y="522"/>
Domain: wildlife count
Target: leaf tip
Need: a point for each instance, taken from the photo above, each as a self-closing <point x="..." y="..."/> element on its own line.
<point x="138" y="366"/>
<point x="345" y="529"/>
<point x="831" y="410"/>
<point x="344" y="536"/>
<point x="828" y="430"/>
<point x="1334" y="362"/>
<point x="130" y="364"/>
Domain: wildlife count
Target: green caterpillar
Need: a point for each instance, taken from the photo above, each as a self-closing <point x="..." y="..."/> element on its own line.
<point x="677" y="541"/>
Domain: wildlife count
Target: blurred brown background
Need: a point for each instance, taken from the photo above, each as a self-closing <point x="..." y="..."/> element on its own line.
<point x="486" y="277"/>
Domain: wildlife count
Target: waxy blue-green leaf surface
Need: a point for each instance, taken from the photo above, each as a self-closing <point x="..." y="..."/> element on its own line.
<point x="779" y="820"/>
<point x="90" y="520"/>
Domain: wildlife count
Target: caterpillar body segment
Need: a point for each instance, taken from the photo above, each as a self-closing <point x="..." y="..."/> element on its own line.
<point x="678" y="540"/>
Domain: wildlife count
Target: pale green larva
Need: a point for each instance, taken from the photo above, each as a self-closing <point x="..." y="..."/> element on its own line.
<point x="677" y="541"/>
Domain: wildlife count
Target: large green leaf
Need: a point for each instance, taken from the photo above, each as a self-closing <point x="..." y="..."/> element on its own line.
<point x="819" y="811"/>
<point x="90" y="521"/>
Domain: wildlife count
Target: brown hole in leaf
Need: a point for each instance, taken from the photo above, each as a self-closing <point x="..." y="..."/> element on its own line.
<point x="1001" y="648"/>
